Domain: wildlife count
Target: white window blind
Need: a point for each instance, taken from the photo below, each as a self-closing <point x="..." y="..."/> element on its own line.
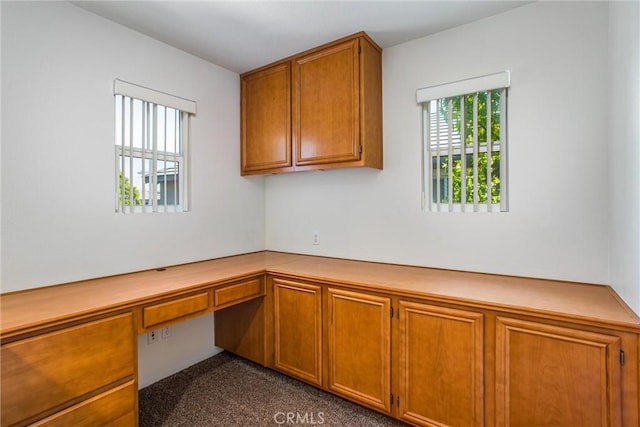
<point x="151" y="156"/>
<point x="465" y="145"/>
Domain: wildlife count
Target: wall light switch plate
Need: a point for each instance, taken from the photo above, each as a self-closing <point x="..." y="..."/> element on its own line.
<point x="166" y="332"/>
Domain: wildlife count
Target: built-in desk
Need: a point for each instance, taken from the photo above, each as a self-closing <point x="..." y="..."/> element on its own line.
<point x="432" y="346"/>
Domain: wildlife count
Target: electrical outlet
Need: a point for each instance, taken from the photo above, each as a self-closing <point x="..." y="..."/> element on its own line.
<point x="166" y="332"/>
<point x="153" y="337"/>
<point x="316" y="237"/>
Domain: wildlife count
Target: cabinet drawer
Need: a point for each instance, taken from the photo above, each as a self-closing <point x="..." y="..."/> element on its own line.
<point x="237" y="293"/>
<point x="164" y="312"/>
<point x="115" y="407"/>
<point x="46" y="371"/>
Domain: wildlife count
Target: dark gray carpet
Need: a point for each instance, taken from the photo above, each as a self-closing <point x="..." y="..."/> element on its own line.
<point x="226" y="390"/>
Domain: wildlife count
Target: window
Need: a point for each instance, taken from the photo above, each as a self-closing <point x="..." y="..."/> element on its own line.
<point x="465" y="145"/>
<point x="152" y="141"/>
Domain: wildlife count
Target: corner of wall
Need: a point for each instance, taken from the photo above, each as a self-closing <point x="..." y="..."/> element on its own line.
<point x="624" y="154"/>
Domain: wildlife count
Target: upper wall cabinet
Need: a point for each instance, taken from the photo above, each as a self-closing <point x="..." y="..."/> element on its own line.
<point x="266" y="119"/>
<point x="320" y="109"/>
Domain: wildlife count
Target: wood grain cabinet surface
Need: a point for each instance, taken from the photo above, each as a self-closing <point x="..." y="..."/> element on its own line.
<point x="327" y="106"/>
<point x="441" y="365"/>
<point x="266" y="119"/>
<point x="319" y="109"/>
<point x="236" y="293"/>
<point x="429" y="347"/>
<point x="297" y="332"/>
<point x="359" y="347"/>
<point x="49" y="373"/>
<point x="241" y="329"/>
<point x="430" y="363"/>
<point x="166" y="312"/>
<point x="553" y="375"/>
<point x="115" y="407"/>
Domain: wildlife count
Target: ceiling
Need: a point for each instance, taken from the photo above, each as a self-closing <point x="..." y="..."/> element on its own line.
<point x="242" y="35"/>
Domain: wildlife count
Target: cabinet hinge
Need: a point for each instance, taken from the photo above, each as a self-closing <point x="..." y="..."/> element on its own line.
<point x="621" y="358"/>
<point x="392" y="399"/>
<point x="360" y="148"/>
<point x="359" y="49"/>
<point x="391" y="311"/>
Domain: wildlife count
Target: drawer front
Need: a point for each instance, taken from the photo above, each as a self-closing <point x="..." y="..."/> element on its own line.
<point x="157" y="314"/>
<point x="115" y="407"/>
<point x="49" y="370"/>
<point x="238" y="293"/>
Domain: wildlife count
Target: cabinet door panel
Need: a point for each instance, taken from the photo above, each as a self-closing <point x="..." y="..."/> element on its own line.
<point x="266" y="119"/>
<point x="441" y="365"/>
<point x="359" y="339"/>
<point x="554" y="376"/>
<point x="327" y="105"/>
<point x="298" y="329"/>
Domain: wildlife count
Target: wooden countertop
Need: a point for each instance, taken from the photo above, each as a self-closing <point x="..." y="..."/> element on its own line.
<point x="591" y="304"/>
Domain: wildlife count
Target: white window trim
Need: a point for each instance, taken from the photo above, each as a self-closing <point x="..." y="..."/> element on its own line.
<point x="462" y="87"/>
<point x="120" y="87"/>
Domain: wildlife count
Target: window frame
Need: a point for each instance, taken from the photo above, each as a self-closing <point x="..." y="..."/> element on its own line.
<point x="149" y="102"/>
<point x="432" y="97"/>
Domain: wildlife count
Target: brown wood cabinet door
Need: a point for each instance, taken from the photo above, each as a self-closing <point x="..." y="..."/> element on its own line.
<point x="359" y="343"/>
<point x="441" y="366"/>
<point x="298" y="330"/>
<point x="266" y="119"/>
<point x="555" y="376"/>
<point x="326" y="105"/>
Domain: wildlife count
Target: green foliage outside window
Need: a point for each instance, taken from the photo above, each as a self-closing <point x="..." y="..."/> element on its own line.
<point x="124" y="181"/>
<point x="482" y="130"/>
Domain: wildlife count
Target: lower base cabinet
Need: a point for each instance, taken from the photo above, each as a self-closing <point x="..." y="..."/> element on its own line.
<point x="359" y="347"/>
<point x="428" y="360"/>
<point x="555" y="376"/>
<point x="440" y="366"/>
<point x="430" y="363"/>
<point x="82" y="375"/>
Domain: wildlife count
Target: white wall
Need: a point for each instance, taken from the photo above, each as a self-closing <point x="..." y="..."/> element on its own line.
<point x="0" y="147"/>
<point x="624" y="158"/>
<point x="58" y="220"/>
<point x="57" y="66"/>
<point x="557" y="224"/>
<point x="164" y="357"/>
